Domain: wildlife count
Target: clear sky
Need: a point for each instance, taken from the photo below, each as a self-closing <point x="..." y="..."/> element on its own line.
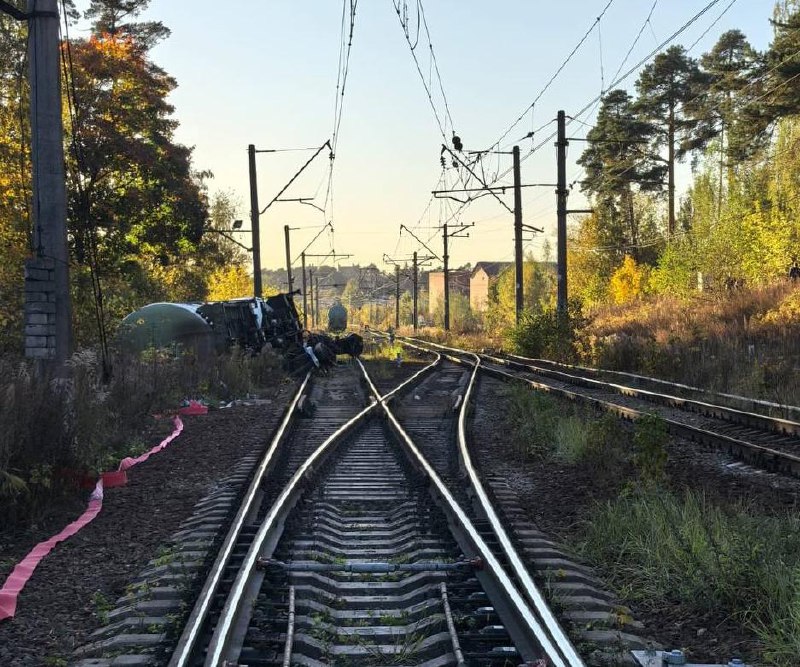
<point x="265" y="72"/>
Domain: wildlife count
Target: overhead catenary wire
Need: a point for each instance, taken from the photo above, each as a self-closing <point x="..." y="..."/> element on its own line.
<point x="401" y="11"/>
<point x="621" y="78"/>
<point x="636" y="39"/>
<point x="552" y="79"/>
<point x="711" y="25"/>
<point x="345" y="48"/>
<point x="617" y="79"/>
<point x="746" y="101"/>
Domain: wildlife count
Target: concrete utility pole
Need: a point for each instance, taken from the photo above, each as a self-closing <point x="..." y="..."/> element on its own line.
<point x="254" y="217"/>
<point x="288" y="259"/>
<point x="305" y="299"/>
<point x="445" y="259"/>
<point x="316" y="296"/>
<point x="48" y="309"/>
<point x="518" y="266"/>
<point x="311" y="296"/>
<point x="397" y="296"/>
<point x="416" y="282"/>
<point x="561" y="212"/>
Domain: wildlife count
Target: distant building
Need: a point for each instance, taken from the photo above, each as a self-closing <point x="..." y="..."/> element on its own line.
<point x="483" y="275"/>
<point x="459" y="284"/>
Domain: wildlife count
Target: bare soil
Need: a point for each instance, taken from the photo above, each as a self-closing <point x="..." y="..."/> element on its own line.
<point x="59" y="607"/>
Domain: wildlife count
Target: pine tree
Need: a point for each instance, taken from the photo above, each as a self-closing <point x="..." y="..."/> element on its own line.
<point x="720" y="110"/>
<point x="782" y="97"/>
<point x="618" y="163"/>
<point x="113" y="17"/>
<point x="665" y="86"/>
<point x="731" y="68"/>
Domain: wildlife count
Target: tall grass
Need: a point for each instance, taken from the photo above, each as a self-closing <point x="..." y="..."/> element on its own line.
<point x="545" y="427"/>
<point x="53" y="431"/>
<point x="743" y="341"/>
<point x="690" y="551"/>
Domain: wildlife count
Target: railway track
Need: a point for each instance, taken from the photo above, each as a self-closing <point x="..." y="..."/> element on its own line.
<point x="358" y="543"/>
<point x="758" y="438"/>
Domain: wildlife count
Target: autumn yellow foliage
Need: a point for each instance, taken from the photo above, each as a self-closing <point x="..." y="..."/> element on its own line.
<point x="628" y="281"/>
<point x="229" y="282"/>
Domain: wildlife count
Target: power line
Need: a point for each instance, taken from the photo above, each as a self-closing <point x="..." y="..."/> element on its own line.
<point x="404" y="23"/>
<point x="344" y="68"/>
<point x="636" y="39"/>
<point x="713" y="23"/>
<point x="745" y="102"/>
<point x="621" y="78"/>
<point x="555" y="75"/>
<point x="669" y="39"/>
<point x="617" y="80"/>
<point x="345" y="49"/>
<point x="435" y="63"/>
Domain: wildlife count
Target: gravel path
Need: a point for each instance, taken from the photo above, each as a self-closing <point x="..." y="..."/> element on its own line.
<point x="61" y="604"/>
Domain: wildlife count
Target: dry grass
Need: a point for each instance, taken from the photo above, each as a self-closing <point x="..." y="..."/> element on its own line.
<point x="743" y="341"/>
<point x="53" y="431"/>
<point x="484" y="340"/>
<point x="740" y="341"/>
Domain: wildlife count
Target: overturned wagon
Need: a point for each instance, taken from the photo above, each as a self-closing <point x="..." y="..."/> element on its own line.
<point x="250" y="324"/>
<point x="214" y="326"/>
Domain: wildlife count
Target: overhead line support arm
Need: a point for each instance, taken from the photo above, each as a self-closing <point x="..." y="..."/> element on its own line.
<point x="293" y="178"/>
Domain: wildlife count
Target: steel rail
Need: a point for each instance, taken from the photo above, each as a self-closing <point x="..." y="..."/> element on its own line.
<point x="529" y="587"/>
<point x="520" y="620"/>
<point x="235" y="613"/>
<point x="451" y="627"/>
<point x="289" y="644"/>
<point x="770" y="458"/>
<point x="186" y="644"/>
<point x="697" y="391"/>
<point x="754" y="419"/>
<point x="766" y="456"/>
<point x="734" y="415"/>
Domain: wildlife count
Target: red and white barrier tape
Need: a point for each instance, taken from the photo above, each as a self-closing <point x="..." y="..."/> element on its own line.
<point x="23" y="571"/>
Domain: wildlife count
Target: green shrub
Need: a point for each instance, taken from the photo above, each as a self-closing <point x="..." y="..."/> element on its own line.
<point x="650" y="440"/>
<point x="534" y="417"/>
<point x="606" y="444"/>
<point x="547" y="333"/>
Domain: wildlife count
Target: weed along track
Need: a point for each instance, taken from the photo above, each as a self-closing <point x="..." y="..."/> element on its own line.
<point x="366" y="557"/>
<point x="355" y="546"/>
<point x="763" y="441"/>
<point x="636" y="535"/>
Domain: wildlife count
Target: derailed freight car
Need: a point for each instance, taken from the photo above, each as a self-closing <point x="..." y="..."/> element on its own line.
<point x="216" y="326"/>
<point x="250" y="324"/>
